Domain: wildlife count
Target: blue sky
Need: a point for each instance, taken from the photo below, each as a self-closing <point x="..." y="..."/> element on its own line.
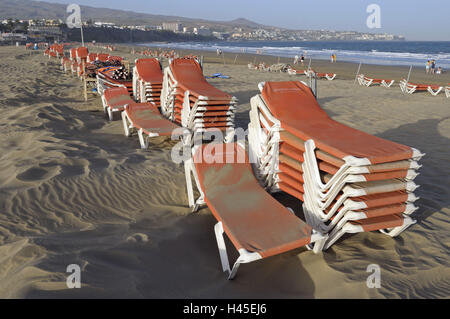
<point x="415" y="19"/>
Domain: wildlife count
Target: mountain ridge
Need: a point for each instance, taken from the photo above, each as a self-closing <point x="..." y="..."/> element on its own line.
<point x="28" y="9"/>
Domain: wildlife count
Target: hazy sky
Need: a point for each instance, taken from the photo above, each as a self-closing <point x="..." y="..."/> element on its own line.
<point x="415" y="19"/>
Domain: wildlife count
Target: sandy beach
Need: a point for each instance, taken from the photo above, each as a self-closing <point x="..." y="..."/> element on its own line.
<point x="75" y="190"/>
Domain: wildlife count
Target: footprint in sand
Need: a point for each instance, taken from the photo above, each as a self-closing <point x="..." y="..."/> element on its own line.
<point x="36" y="174"/>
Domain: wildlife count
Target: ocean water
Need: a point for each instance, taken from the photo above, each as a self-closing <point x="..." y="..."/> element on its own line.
<point x="369" y="52"/>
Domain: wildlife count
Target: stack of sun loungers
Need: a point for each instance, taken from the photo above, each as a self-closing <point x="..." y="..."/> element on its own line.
<point x="147" y="81"/>
<point x="190" y="101"/>
<point x="410" y="88"/>
<point x="349" y="181"/>
<point x="82" y="54"/>
<point x="105" y="80"/>
<point x="366" y="81"/>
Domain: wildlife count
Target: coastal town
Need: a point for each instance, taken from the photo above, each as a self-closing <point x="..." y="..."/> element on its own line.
<point x="14" y="30"/>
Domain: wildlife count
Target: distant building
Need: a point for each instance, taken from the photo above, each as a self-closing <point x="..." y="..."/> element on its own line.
<point x="45" y="22"/>
<point x="13" y="37"/>
<point x="172" y="26"/>
<point x="187" y="30"/>
<point x="45" y="33"/>
<point x="202" y="31"/>
<point x="104" y="24"/>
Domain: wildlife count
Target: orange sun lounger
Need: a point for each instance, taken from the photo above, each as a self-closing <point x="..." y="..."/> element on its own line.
<point x="257" y="224"/>
<point x="114" y="100"/>
<point x="366" y="81"/>
<point x="319" y="75"/>
<point x="147" y="81"/>
<point x="189" y="100"/>
<point x="297" y="148"/>
<point x="410" y="88"/>
<point x="146" y="119"/>
<point x="292" y="71"/>
<point x="106" y="80"/>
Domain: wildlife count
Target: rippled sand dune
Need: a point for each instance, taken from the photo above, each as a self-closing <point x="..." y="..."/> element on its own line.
<point x="75" y="190"/>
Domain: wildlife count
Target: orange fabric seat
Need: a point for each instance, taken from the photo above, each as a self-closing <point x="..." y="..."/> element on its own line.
<point x="146" y="116"/>
<point x="251" y="217"/>
<point x="117" y="97"/>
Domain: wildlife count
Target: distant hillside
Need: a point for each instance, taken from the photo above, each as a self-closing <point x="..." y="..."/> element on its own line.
<point x="27" y="9"/>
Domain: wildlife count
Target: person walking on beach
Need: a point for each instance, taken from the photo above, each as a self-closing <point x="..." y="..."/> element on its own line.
<point x="427" y="66"/>
<point x="433" y="66"/>
<point x="296" y="59"/>
<point x="302" y="59"/>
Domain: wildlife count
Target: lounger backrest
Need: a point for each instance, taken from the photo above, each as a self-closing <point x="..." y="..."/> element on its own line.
<point x="115" y="94"/>
<point x="189" y="75"/>
<point x="82" y="52"/>
<point x="292" y="100"/>
<point x="149" y="70"/>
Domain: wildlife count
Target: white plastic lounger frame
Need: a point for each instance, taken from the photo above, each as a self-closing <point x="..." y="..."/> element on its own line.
<point x="168" y="93"/>
<point x="345" y="177"/>
<point x="447" y="91"/>
<point x="351" y="228"/>
<point x="342" y="218"/>
<point x="435" y="92"/>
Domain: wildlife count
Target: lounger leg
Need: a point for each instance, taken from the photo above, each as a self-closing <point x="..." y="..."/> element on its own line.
<point x="126" y="129"/>
<point x="218" y="229"/>
<point x="189" y="186"/>
<point x="229" y="136"/>
<point x="319" y="241"/>
<point x="110" y="114"/>
<point x="143" y="139"/>
<point x="245" y="256"/>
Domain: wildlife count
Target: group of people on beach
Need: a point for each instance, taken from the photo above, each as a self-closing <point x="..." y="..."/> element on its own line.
<point x="333" y="58"/>
<point x="431" y="67"/>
